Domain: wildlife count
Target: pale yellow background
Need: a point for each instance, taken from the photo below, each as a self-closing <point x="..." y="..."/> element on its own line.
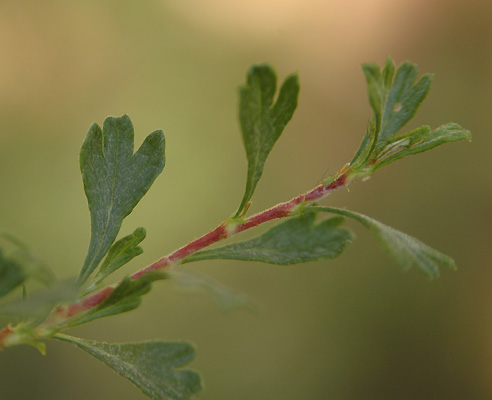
<point x="350" y="329"/>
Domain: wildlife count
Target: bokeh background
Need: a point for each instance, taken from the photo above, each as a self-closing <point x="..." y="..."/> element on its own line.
<point x="352" y="328"/>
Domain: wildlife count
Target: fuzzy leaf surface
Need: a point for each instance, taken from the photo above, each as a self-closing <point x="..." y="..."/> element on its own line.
<point x="115" y="179"/>
<point x="405" y="249"/>
<point x="262" y="122"/>
<point x="121" y="253"/>
<point x="297" y="240"/>
<point x="125" y="297"/>
<point x="153" y="366"/>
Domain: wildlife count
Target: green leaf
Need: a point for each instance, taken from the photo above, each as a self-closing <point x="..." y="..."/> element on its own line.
<point x="404" y="98"/>
<point x="121" y="253"/>
<point x="296" y="240"/>
<point x="152" y="366"/>
<point x="115" y="180"/>
<point x="404" y="248"/>
<point x="125" y="297"/>
<point x="226" y="297"/>
<point x="417" y="141"/>
<point x="11" y="275"/>
<point x="262" y="122"/>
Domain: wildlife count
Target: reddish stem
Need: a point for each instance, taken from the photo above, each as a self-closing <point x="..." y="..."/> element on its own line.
<point x="223" y="231"/>
<point x="216" y="235"/>
<point x="284" y="209"/>
<point x="89" y="302"/>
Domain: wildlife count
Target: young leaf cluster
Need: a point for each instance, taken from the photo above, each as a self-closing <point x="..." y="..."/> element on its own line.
<point x="116" y="178"/>
<point x="395" y="97"/>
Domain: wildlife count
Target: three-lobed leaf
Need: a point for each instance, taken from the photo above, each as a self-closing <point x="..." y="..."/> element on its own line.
<point x="153" y="366"/>
<point x="297" y="240"/>
<point x="115" y="180"/>
<point x="406" y="250"/>
<point x="262" y="122"/>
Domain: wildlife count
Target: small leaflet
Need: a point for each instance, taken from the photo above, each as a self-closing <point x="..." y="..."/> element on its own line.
<point x="125" y="297"/>
<point x="419" y="140"/>
<point x="121" y="253"/>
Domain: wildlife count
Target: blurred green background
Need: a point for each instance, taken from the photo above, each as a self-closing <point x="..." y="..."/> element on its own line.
<point x="352" y="328"/>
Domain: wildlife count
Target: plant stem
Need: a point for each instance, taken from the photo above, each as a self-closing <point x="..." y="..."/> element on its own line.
<point x="225" y="230"/>
<point x="221" y="232"/>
